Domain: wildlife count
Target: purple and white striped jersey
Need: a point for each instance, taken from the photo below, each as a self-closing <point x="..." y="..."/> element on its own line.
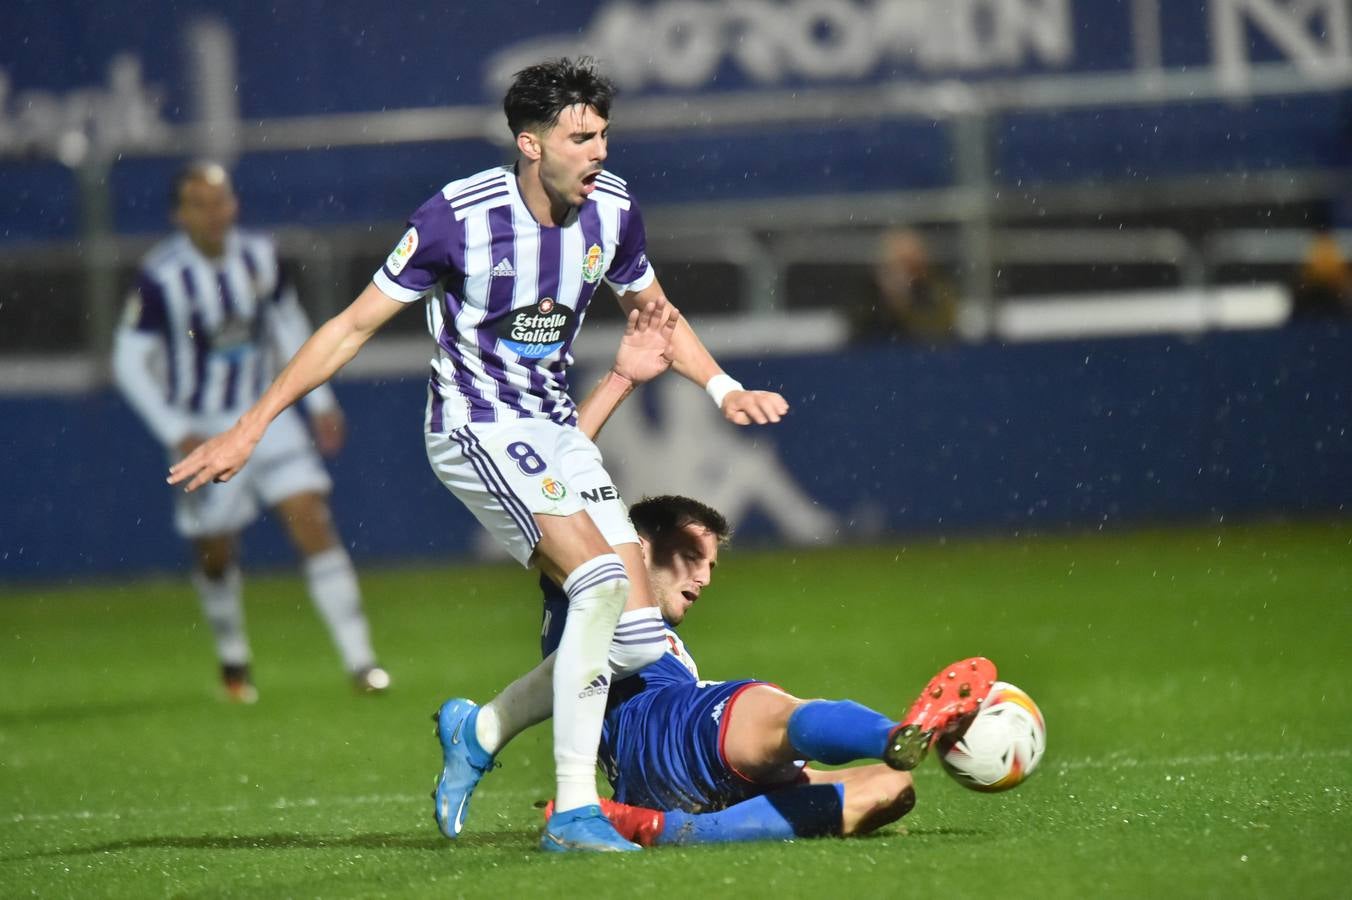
<point x="201" y="337"/>
<point x="506" y="296"/>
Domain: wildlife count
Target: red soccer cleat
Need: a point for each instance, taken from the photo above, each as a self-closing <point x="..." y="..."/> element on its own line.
<point x="634" y="823"/>
<point x="946" y="706"/>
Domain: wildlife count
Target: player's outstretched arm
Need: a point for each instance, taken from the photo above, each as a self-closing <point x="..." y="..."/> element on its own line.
<point x="644" y="353"/>
<point x="693" y="360"/>
<point x="327" y="351"/>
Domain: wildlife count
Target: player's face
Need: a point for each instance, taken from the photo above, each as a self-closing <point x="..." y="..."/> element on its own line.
<point x="206" y="211"/>
<point x="572" y="154"/>
<point x="680" y="567"/>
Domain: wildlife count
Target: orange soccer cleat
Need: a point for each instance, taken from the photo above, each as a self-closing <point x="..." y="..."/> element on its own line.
<point x="634" y="823"/>
<point x="946" y="706"/>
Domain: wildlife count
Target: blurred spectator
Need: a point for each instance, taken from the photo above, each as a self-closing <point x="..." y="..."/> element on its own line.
<point x="913" y="302"/>
<point x="1324" y="285"/>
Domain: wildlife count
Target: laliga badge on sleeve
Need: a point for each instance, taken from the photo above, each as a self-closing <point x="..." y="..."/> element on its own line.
<point x="402" y="252"/>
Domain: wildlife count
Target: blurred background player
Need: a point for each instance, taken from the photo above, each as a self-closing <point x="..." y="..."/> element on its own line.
<point x="210" y="313"/>
<point x="913" y="301"/>
<point x="507" y="261"/>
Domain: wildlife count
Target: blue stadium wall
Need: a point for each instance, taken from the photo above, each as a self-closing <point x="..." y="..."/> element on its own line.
<point x="880" y="445"/>
<point x="409" y="56"/>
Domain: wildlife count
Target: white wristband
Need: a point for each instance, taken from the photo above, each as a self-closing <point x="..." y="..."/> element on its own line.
<point x="720" y="386"/>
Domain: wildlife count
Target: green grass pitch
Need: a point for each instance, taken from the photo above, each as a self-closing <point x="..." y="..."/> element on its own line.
<point x="1195" y="683"/>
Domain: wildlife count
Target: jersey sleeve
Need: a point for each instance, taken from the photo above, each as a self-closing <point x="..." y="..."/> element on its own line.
<point x="423" y="256"/>
<point x="140" y="348"/>
<point x="146" y="311"/>
<point x="629" y="268"/>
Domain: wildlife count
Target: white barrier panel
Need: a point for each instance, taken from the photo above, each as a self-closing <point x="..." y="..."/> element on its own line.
<point x="1143" y="312"/>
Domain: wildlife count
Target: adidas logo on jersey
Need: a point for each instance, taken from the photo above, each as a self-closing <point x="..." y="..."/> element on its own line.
<point x="599" y="685"/>
<point x="503" y="269"/>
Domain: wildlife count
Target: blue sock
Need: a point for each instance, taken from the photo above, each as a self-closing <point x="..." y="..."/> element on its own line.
<point x="810" y="810"/>
<point x="838" y="731"/>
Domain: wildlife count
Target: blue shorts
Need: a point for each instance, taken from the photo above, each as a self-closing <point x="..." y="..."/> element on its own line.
<point x="663" y="747"/>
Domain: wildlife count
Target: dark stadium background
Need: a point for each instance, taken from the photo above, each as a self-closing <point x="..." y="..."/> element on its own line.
<point x="1183" y="147"/>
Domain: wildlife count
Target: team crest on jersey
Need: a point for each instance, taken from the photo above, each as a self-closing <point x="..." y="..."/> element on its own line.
<point x="402" y="252"/>
<point x="535" y="332"/>
<point x="591" y="266"/>
<point x="552" y="489"/>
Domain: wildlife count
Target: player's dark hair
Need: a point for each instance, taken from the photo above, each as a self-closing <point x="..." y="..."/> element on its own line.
<point x="656" y="517"/>
<point x="539" y="93"/>
<point x="197" y="170"/>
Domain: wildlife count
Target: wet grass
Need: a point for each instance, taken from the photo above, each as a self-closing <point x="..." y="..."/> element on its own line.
<point x="1195" y="683"/>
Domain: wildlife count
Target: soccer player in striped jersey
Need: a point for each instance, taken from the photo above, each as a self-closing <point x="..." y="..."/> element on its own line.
<point x="209" y="313"/>
<point x="506" y="262"/>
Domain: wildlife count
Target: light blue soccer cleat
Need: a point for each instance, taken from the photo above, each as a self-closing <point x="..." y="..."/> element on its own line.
<point x="584" y="829"/>
<point x="463" y="763"/>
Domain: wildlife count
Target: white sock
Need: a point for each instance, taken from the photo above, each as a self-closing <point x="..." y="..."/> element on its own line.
<point x="525" y="702"/>
<point x="596" y="591"/>
<point x="640" y="640"/>
<point x="334" y="590"/>
<point x="223" y="605"/>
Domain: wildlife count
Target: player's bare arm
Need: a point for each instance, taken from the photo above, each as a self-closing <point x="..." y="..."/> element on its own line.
<point x="328" y="350"/>
<point x="645" y="352"/>
<point x="691" y="359"/>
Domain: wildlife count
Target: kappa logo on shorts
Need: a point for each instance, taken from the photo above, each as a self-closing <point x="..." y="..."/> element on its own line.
<point x="553" y="489"/>
<point x="591" y="266"/>
<point x="718" y="710"/>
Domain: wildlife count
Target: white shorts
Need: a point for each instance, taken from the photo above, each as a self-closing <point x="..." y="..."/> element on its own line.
<point x="506" y="473"/>
<point x="283" y="464"/>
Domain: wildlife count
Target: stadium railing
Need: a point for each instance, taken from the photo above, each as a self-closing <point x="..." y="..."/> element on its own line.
<point x="52" y="337"/>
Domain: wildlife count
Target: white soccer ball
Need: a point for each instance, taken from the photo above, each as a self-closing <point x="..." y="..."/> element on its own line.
<point x="1002" y="746"/>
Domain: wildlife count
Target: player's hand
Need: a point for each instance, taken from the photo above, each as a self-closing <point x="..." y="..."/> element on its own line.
<point x="218" y="459"/>
<point x="330" y="431"/>
<point x="645" y="350"/>
<point x="760" y="407"/>
<point x="188" y="443"/>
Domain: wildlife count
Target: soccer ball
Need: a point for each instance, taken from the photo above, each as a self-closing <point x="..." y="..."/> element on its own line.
<point x="1002" y="746"/>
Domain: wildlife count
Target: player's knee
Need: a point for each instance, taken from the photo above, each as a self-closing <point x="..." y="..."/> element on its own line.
<point x="215" y="567"/>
